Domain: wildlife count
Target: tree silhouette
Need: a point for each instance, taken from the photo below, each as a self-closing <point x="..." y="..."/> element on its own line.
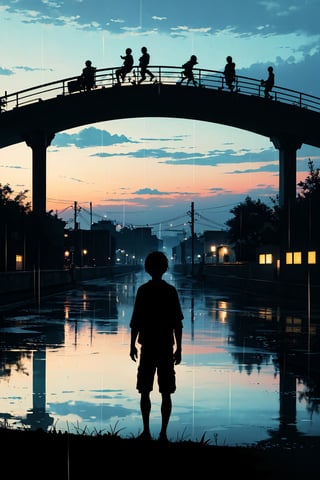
<point x="38" y="239"/>
<point x="311" y="184"/>
<point x="306" y="216"/>
<point x="253" y="224"/>
<point x="15" y="204"/>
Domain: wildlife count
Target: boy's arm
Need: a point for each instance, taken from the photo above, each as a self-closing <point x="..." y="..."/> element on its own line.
<point x="133" y="348"/>
<point x="177" y="353"/>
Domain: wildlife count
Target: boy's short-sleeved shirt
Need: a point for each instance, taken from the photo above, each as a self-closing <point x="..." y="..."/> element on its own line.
<point x="157" y="313"/>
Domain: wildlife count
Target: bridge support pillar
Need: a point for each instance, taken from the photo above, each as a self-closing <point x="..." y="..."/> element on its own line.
<point x="287" y="167"/>
<point x="287" y="147"/>
<point x="39" y="141"/>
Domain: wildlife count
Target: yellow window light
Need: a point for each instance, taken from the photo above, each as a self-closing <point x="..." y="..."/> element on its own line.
<point x="312" y="257"/>
<point x="289" y="258"/>
<point x="297" y="258"/>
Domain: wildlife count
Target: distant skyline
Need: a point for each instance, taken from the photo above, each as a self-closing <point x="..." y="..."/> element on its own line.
<point x="148" y="171"/>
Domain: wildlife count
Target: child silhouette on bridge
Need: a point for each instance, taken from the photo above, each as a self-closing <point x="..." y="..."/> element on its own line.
<point x="187" y="73"/>
<point x="230" y="73"/>
<point x="268" y="84"/>
<point x="88" y="76"/>
<point x="144" y="61"/>
<point x="127" y="66"/>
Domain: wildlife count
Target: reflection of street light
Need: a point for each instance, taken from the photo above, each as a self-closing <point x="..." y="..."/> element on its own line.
<point x="213" y="250"/>
<point x="67" y="258"/>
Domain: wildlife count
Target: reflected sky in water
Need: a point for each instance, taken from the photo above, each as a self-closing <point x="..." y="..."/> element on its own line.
<point x="250" y="371"/>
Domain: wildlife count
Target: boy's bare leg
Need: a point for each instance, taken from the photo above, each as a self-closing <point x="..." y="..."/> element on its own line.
<point x="145" y="407"/>
<point x="166" y="408"/>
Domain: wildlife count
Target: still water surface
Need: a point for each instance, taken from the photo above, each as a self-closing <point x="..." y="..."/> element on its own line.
<point x="250" y="370"/>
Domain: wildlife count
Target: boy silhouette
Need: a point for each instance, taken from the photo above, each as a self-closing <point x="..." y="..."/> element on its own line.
<point x="230" y="73"/>
<point x="144" y="61"/>
<point x="187" y="73"/>
<point x="268" y="84"/>
<point x="156" y="324"/>
<point x="88" y="76"/>
<point x="126" y="67"/>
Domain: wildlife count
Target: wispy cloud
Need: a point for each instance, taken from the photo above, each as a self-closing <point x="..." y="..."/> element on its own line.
<point x="6" y="71"/>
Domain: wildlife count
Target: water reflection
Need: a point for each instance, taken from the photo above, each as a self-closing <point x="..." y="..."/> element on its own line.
<point x="250" y="371"/>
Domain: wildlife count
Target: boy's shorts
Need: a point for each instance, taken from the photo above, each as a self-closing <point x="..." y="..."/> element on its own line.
<point x="154" y="361"/>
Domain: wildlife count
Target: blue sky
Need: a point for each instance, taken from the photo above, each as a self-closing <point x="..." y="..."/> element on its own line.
<point x="148" y="171"/>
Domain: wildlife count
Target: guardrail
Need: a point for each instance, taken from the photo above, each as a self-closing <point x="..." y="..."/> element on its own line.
<point x="168" y="75"/>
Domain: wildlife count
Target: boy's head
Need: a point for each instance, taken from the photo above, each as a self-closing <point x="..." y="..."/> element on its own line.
<point x="156" y="263"/>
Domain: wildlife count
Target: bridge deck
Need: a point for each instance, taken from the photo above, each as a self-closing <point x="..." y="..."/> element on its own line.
<point x="52" y="108"/>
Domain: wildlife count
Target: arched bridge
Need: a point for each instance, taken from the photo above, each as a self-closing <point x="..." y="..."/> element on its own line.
<point x="36" y="114"/>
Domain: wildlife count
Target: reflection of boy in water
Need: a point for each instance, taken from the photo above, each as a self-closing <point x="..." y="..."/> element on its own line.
<point x="156" y="324"/>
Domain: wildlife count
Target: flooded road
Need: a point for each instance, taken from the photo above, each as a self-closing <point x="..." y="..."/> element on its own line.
<point x="250" y="370"/>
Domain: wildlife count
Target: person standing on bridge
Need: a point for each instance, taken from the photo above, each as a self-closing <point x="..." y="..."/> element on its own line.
<point x="127" y="65"/>
<point x="156" y="324"/>
<point x="144" y="61"/>
<point x="187" y="73"/>
<point x="268" y="84"/>
<point x="230" y="73"/>
<point x="88" y="76"/>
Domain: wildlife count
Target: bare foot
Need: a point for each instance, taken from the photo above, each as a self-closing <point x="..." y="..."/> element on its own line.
<point x="144" y="436"/>
<point x="163" y="438"/>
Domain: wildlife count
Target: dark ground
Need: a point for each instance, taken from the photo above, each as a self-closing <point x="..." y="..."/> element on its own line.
<point x="39" y="455"/>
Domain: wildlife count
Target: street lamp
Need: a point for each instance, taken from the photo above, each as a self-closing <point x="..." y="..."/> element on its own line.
<point x="84" y="253"/>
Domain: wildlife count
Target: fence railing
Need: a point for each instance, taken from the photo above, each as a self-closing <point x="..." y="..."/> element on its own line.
<point x="167" y="75"/>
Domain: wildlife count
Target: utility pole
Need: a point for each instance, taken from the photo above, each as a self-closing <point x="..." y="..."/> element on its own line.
<point x="75" y="210"/>
<point x="191" y="213"/>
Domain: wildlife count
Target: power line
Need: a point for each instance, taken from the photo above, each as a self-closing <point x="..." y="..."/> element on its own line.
<point x="173" y="223"/>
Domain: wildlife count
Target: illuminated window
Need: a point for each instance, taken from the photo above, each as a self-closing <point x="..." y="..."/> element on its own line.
<point x="312" y="257"/>
<point x="269" y="258"/>
<point x="297" y="258"/>
<point x="289" y="258"/>
<point x="19" y="262"/>
<point x="265" y="258"/>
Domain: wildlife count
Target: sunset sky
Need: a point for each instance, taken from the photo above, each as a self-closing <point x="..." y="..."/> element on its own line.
<point x="148" y="171"/>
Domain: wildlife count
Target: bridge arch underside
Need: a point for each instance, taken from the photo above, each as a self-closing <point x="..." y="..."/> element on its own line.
<point x="287" y="126"/>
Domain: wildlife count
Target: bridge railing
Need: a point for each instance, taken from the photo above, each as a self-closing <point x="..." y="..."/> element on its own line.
<point x="167" y="75"/>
